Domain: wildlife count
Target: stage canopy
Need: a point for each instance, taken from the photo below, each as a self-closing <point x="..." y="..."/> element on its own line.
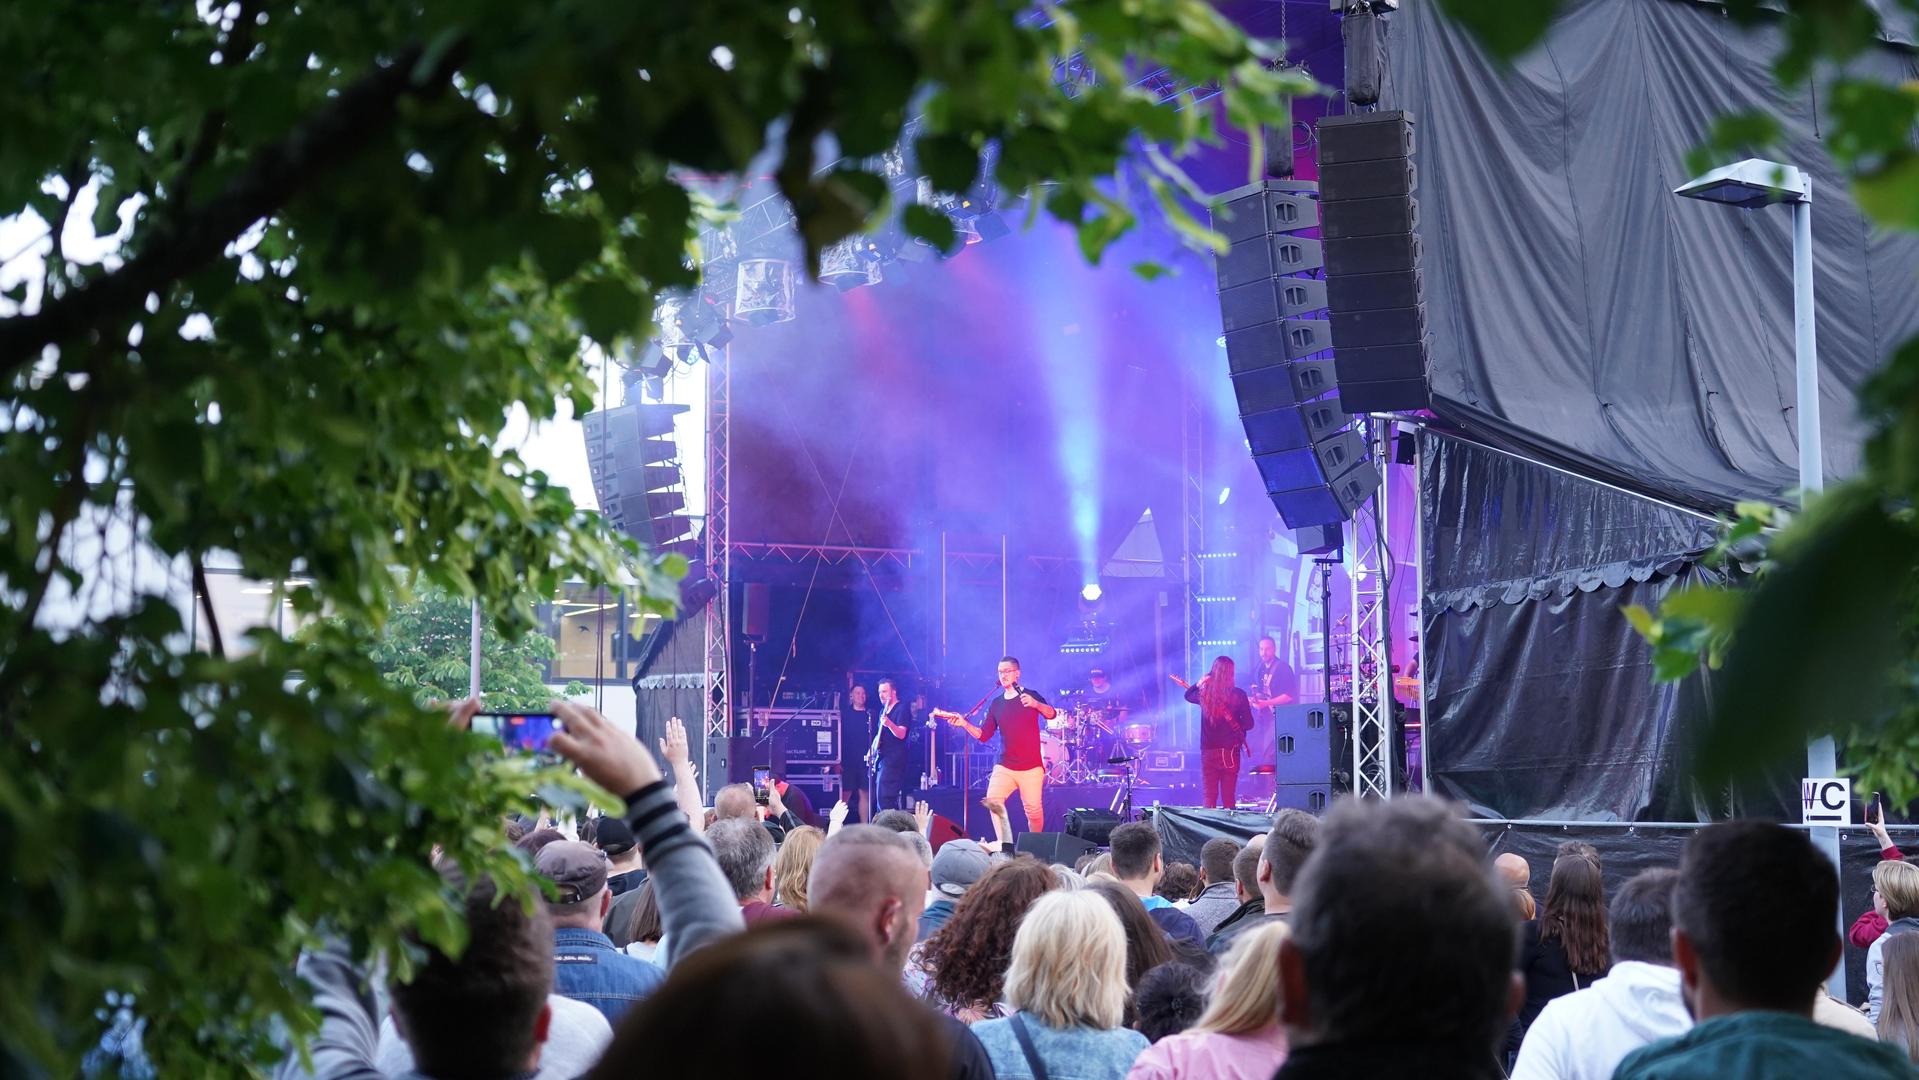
<point x="1585" y="315"/>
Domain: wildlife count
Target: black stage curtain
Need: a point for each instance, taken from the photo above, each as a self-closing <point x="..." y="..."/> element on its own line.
<point x="1583" y="313"/>
<point x="1540" y="701"/>
<point x="1623" y="852"/>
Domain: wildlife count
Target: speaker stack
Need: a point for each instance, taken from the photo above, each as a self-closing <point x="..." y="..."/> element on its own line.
<point x="1273" y="303"/>
<point x="1369" y="225"/>
<point x="1304" y="764"/>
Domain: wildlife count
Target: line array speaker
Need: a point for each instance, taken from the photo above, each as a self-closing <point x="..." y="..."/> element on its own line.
<point x="635" y="467"/>
<point x="1279" y="337"/>
<point x="1369" y="225"/>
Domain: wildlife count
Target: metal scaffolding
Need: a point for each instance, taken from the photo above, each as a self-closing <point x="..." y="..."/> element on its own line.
<point x="1369" y="649"/>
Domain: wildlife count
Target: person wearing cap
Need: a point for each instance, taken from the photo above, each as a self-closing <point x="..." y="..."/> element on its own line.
<point x="958" y="864"/>
<point x="586" y="965"/>
<point x="624" y="871"/>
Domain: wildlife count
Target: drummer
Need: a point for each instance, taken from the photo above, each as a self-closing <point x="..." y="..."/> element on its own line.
<point x="1105" y="699"/>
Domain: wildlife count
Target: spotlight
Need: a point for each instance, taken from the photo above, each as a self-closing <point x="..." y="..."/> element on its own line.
<point x="1224" y="494"/>
<point x="1091" y="593"/>
<point x="847" y="264"/>
<point x="689" y="323"/>
<point x="763" y="294"/>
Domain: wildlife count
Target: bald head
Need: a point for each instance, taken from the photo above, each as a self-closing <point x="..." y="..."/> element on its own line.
<point x="735" y="801"/>
<point x="874" y="878"/>
<point x="1513" y="870"/>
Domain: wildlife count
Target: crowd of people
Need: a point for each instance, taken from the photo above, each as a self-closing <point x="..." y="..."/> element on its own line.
<point x="1383" y="940"/>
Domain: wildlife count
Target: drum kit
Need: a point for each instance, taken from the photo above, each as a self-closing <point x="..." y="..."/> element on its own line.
<point x="1088" y="736"/>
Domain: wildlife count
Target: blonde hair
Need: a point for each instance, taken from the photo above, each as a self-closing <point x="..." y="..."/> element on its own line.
<point x="1069" y="962"/>
<point x="1523" y="899"/>
<point x="794" y="865"/>
<point x="1898" y="882"/>
<point x="1246" y="991"/>
<point x="1101" y="865"/>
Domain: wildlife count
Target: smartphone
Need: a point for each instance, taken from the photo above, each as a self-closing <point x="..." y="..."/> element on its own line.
<point x="762" y="776"/>
<point x="526" y="732"/>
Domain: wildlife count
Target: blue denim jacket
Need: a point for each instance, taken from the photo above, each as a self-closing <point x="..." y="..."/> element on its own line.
<point x="586" y="967"/>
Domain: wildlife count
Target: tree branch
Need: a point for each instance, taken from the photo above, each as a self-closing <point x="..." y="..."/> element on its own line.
<point x="239" y="42"/>
<point x="333" y="136"/>
<point x="205" y="596"/>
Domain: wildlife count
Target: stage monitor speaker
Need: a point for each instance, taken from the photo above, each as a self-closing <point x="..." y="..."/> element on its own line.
<point x="941" y="829"/>
<point x="1052" y="847"/>
<point x="1320" y="539"/>
<point x="1330" y="504"/>
<point x="755" y="610"/>
<point x="1303" y="740"/>
<point x="1094" y="825"/>
<point x="1312" y="798"/>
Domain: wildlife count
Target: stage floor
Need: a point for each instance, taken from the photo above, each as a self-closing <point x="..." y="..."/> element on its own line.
<point x="1060" y="798"/>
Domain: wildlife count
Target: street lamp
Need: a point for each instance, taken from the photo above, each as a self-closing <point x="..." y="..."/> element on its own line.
<point x="1749" y="184"/>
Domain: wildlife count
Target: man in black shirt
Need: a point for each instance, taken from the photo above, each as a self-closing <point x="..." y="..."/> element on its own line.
<point x="1271" y="683"/>
<point x="1015" y="714"/>
<point x="893" y="749"/>
<point x="856" y="735"/>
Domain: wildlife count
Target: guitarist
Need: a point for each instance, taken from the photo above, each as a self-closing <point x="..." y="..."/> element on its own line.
<point x="1271" y="679"/>
<point x="1015" y="713"/>
<point x="891" y="756"/>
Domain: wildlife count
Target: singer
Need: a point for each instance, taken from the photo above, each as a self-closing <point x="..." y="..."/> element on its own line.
<point x="1225" y="716"/>
<point x="1015" y="714"/>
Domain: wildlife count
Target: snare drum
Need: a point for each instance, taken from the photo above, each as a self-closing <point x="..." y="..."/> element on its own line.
<point x="1061" y="721"/>
<point x="1137" y="735"/>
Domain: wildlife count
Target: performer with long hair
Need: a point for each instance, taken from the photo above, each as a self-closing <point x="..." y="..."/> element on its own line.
<point x="1225" y="716"/>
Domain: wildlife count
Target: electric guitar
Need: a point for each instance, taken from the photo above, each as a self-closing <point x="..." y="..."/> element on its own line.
<point x="873" y="752"/>
<point x="956" y="720"/>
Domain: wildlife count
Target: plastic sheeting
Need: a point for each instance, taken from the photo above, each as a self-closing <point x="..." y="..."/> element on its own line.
<point x="1583" y="313"/>
<point x="1540" y="700"/>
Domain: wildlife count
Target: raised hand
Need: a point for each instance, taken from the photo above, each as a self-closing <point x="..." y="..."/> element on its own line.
<point x="674" y="747"/>
<point x="606" y="755"/>
<point x="460" y="714"/>
<point x="922" y="815"/>
<point x="836" y="817"/>
<point x="775" y="807"/>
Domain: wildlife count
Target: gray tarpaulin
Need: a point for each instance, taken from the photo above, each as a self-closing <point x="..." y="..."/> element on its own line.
<point x="1583" y="313"/>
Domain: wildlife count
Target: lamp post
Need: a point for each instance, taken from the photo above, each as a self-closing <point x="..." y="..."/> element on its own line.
<point x="1749" y="184"/>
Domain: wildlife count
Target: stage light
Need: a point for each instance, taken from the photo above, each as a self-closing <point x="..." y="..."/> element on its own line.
<point x="1224" y="494"/>
<point x="848" y="264"/>
<point x="763" y="292"/>
<point x="688" y="324"/>
<point x="1091" y="593"/>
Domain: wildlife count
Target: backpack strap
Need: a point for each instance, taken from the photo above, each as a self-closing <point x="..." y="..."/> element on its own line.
<point x="1025" y="1038"/>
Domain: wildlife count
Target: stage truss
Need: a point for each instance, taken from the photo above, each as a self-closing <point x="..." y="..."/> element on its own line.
<point x="1369" y="650"/>
<point x="719" y="548"/>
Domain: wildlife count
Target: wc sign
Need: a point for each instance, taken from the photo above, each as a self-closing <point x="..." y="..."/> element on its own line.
<point x="1825" y="801"/>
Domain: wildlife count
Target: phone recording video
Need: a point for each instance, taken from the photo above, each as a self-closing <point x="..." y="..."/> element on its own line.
<point x="762" y="776"/>
<point x="524" y="732"/>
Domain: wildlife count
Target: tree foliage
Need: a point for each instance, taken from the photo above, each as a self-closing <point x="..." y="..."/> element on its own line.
<point x="336" y="244"/>
<point x="426" y="647"/>
<point x="1824" y="638"/>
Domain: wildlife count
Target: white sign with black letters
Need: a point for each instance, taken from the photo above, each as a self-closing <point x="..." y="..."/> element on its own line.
<point x="1825" y="801"/>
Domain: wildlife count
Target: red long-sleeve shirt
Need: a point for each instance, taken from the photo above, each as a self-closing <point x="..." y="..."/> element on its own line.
<point x="1867" y="927"/>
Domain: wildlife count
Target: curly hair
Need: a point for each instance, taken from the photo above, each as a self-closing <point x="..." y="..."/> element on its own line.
<point x="966" y="959"/>
<point x="1575" y="914"/>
